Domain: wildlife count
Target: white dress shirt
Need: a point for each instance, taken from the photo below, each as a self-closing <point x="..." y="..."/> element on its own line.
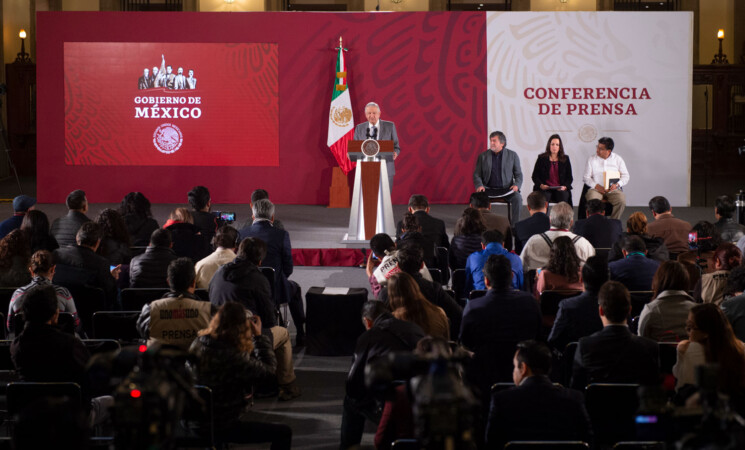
<point x="597" y="165"/>
<point x="377" y="127"/>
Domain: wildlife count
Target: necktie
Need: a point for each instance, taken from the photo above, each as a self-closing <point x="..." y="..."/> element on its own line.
<point x="374" y="132"/>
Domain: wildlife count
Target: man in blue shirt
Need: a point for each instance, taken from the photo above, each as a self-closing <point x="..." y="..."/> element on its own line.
<point x="21" y="205"/>
<point x="492" y="244"/>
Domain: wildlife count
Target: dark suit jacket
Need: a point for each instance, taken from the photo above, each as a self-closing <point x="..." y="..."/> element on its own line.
<point x="386" y="132"/>
<point x="80" y="266"/>
<point x="602" y="232"/>
<point x="537" y="410"/>
<point x="635" y="272"/>
<point x="432" y="228"/>
<point x="577" y="317"/>
<point x="614" y="355"/>
<point x="278" y="255"/>
<point x="65" y="228"/>
<point x="542" y="168"/>
<point x="525" y="229"/>
<point x="511" y="172"/>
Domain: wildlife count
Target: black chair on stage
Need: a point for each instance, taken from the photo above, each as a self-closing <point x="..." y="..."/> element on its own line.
<point x="118" y="325"/>
<point x="502" y="201"/>
<point x="333" y="320"/>
<point x="582" y="208"/>
<point x="546" y="445"/>
<point x="612" y="409"/>
<point x="133" y="299"/>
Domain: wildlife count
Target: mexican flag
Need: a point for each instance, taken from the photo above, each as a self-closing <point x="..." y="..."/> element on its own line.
<point x="341" y="122"/>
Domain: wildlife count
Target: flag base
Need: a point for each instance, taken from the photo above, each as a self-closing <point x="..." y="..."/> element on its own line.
<point x="339" y="189"/>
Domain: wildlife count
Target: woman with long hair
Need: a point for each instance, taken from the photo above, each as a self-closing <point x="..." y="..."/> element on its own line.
<point x="135" y="209"/>
<point x="711" y="286"/>
<point x="711" y="341"/>
<point x="115" y="241"/>
<point x="552" y="173"/>
<point x="232" y="356"/>
<point x="563" y="271"/>
<point x="664" y="318"/>
<point x="14" y="257"/>
<point x="408" y="303"/>
<point x="36" y="225"/>
<point x="636" y="225"/>
<point x="467" y="237"/>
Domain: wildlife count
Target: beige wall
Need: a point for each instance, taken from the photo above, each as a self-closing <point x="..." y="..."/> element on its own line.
<point x="80" y="5"/>
<point x="713" y="15"/>
<point x="570" y="5"/>
<point x="236" y="6"/>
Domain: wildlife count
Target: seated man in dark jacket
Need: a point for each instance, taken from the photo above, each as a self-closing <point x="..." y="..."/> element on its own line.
<point x="385" y="334"/>
<point x="241" y="281"/>
<point x="537" y="223"/>
<point x="201" y="203"/>
<point x="601" y="231"/>
<point x="613" y="354"/>
<point x="64" y="229"/>
<point x="43" y="353"/>
<point x="150" y="269"/>
<point x="79" y="265"/>
<point x="536" y="409"/>
<point x="728" y="228"/>
<point x="635" y="270"/>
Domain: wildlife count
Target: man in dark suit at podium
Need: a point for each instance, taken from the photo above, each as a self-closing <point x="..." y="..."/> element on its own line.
<point x="380" y="130"/>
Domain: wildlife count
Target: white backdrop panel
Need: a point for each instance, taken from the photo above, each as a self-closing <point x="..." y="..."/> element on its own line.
<point x="534" y="54"/>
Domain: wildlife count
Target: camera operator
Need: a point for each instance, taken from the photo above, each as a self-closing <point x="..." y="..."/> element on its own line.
<point x="385" y="334"/>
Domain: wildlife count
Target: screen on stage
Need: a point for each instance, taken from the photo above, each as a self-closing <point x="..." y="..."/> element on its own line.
<point x="171" y="104"/>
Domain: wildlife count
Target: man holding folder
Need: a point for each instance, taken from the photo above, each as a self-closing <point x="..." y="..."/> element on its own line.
<point x="605" y="175"/>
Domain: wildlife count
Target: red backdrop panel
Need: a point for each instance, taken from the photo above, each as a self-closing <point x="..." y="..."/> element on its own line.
<point x="426" y="70"/>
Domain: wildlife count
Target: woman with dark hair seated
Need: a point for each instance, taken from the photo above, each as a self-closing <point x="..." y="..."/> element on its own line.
<point x="637" y="225"/>
<point x="135" y="209"/>
<point x="115" y="241"/>
<point x="467" y="238"/>
<point x="664" y="318"/>
<point x="14" y="257"/>
<point x="563" y="271"/>
<point x="36" y="225"/>
<point x="552" y="173"/>
<point x="232" y="356"/>
<point x="711" y="287"/>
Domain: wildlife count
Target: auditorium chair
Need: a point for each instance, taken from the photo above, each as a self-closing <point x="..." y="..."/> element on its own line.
<point x="602" y="252"/>
<point x="549" y="301"/>
<point x="530" y="281"/>
<point x="436" y="275"/>
<point x="21" y="394"/>
<point x="133" y="299"/>
<point x="406" y="444"/>
<point x="546" y="445"/>
<point x="443" y="263"/>
<point x="88" y="300"/>
<point x="7" y="368"/>
<point x="612" y="409"/>
<point x="119" y="325"/>
<point x="333" y="322"/>
<point x="638" y="300"/>
<point x="65" y="322"/>
<point x="582" y="208"/>
<point x="459" y="285"/>
<point x="476" y="293"/>
<point x="6" y="293"/>
<point x="566" y="365"/>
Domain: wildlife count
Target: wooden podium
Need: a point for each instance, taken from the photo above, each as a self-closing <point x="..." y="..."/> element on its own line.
<point x="371" y="211"/>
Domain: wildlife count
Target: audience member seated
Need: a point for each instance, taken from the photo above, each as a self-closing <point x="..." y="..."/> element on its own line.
<point x="613" y="354"/>
<point x="537" y="223"/>
<point x="493" y="324"/>
<point x="491" y="244"/>
<point x="261" y="194"/>
<point x="711" y="287"/>
<point x="563" y="269"/>
<point x="492" y="221"/>
<point x="601" y="231"/>
<point x="42" y="269"/>
<point x="232" y="355"/>
<point x="673" y="231"/>
<point x="279" y="258"/>
<point x="538" y="248"/>
<point x="36" y="226"/>
<point x="226" y="241"/>
<point x="734" y="307"/>
<point x="466" y="238"/>
<point x="115" y="241"/>
<point x="14" y="257"/>
<point x="150" y="269"/>
<point x="21" y="205"/>
<point x="43" y="353"/>
<point x="187" y="241"/>
<point x="697" y="260"/>
<point x="385" y="334"/>
<point x="728" y="229"/>
<point x="241" y="281"/>
<point x="65" y="229"/>
<point x="664" y="318"/>
<point x="432" y="228"/>
<point x="408" y="303"/>
<point x="201" y="204"/>
<point x="636" y="225"/>
<point x="552" y="172"/>
<point x="635" y="270"/>
<point x="135" y="209"/>
<point x="177" y="318"/>
<point x="410" y="261"/>
<point x="536" y="409"/>
<point x="412" y="237"/>
<point x="578" y="316"/>
<point x="382" y="262"/>
<point x="711" y="341"/>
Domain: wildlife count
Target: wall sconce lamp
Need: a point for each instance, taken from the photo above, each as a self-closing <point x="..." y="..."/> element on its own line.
<point x="720" y="58"/>
<point x="23" y="57"/>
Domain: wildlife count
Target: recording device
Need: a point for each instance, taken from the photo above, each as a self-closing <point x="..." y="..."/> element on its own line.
<point x="693" y="240"/>
<point x="225" y="216"/>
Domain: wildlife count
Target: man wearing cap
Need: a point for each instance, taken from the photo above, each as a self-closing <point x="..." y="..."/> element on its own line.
<point x="21" y="205"/>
